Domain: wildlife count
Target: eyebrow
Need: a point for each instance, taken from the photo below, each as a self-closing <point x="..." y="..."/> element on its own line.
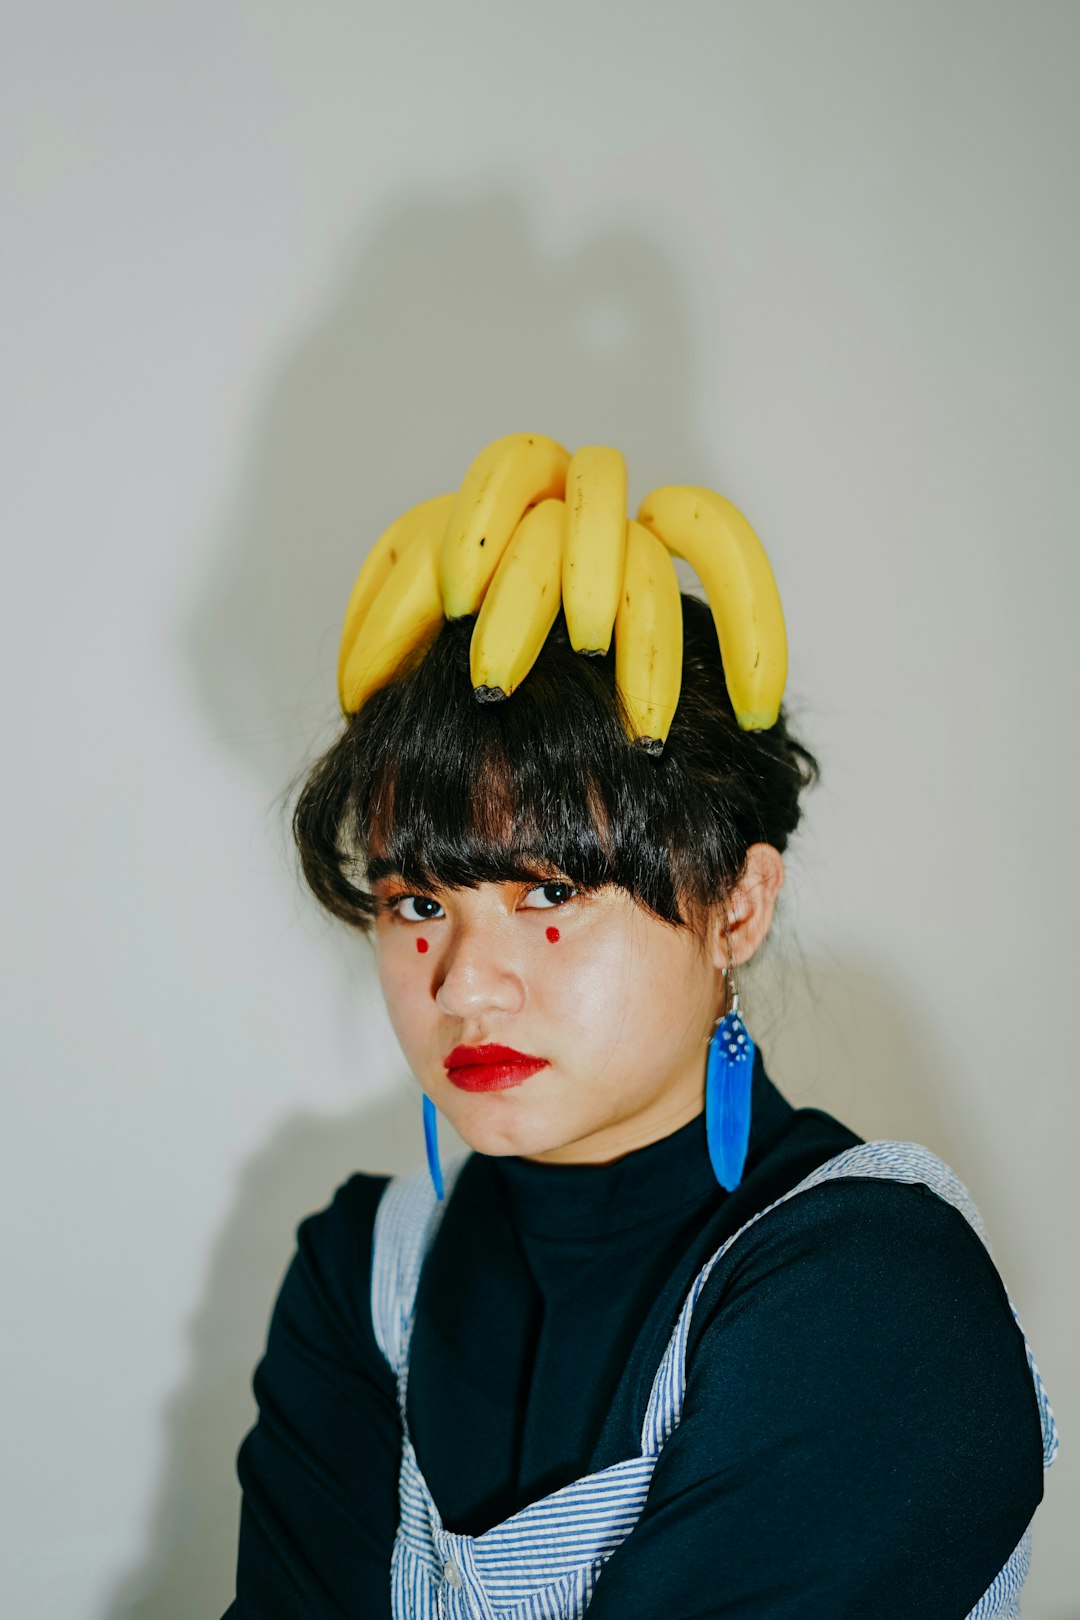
<point x="380" y="867"/>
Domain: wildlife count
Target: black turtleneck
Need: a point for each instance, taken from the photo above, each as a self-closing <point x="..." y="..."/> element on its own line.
<point x="859" y="1437"/>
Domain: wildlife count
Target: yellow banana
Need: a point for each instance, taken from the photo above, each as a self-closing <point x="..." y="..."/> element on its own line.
<point x="406" y="614"/>
<point x="595" y="549"/>
<point x="508" y="475"/>
<point x="716" y="540"/>
<point x="648" y="638"/>
<point x="521" y="604"/>
<point x="377" y="566"/>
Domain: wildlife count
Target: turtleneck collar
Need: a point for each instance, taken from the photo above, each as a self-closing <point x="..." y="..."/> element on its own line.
<point x="674" y="1172"/>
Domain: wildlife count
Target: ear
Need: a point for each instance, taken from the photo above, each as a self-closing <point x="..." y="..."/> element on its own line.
<point x="750" y="908"/>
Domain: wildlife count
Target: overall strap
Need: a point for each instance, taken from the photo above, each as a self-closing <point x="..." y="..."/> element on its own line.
<point x="883" y="1160"/>
<point x="406" y="1221"/>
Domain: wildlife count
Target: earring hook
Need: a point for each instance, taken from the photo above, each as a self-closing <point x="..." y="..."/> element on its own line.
<point x="734" y="1008"/>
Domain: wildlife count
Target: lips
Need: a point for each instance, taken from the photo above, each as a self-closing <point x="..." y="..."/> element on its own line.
<point x="490" y="1067"/>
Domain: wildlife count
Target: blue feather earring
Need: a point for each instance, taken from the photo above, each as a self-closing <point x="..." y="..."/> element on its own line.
<point x="729" y="1073"/>
<point x="431" y="1138"/>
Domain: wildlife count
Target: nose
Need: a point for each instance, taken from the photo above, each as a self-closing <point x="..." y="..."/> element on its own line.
<point x="477" y="977"/>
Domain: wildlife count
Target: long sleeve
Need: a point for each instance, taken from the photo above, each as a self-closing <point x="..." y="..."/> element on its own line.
<point x="860" y="1435"/>
<point x="319" y="1469"/>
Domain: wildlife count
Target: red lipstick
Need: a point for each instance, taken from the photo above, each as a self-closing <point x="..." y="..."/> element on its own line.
<point x="490" y="1067"/>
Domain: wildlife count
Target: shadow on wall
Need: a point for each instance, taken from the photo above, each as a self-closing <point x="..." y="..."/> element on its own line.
<point x="189" y="1568"/>
<point x="451" y="326"/>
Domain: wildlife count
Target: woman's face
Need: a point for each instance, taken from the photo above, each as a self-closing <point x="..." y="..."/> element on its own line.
<point x="620" y="1004"/>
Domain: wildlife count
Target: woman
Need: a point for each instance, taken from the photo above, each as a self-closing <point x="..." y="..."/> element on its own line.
<point x="660" y="1344"/>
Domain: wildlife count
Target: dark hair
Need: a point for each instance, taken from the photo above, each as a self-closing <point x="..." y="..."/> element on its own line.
<point x="450" y="792"/>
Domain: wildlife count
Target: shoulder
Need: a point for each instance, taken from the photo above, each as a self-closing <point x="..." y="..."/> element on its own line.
<point x="858" y="1415"/>
<point x="350" y="1211"/>
<point x="344" y="1224"/>
<point x="864" y="1237"/>
<point x="878" y="1292"/>
<point x="329" y="1280"/>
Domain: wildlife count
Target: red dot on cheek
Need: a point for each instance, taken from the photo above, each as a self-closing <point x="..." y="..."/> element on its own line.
<point x="553" y="934"/>
<point x="421" y="944"/>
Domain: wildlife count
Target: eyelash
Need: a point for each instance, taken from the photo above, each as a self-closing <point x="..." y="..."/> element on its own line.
<point x="391" y="902"/>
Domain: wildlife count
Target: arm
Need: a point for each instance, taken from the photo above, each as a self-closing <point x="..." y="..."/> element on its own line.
<point x="860" y="1435"/>
<point x="319" y="1470"/>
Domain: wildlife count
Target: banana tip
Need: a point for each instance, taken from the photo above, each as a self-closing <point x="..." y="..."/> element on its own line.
<point x="757" y="720"/>
<point x="489" y="694"/>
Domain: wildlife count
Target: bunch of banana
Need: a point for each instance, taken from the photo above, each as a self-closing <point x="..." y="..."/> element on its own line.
<point x="533" y="528"/>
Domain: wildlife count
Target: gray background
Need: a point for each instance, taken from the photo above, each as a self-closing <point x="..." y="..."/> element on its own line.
<point x="274" y="272"/>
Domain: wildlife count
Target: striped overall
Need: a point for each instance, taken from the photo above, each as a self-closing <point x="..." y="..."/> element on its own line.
<point x="543" y="1562"/>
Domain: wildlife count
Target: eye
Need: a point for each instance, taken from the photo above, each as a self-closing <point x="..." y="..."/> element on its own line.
<point x="418" y="900"/>
<point x="428" y="910"/>
<point x="565" y="891"/>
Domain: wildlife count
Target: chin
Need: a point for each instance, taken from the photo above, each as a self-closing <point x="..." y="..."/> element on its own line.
<point x="487" y="1125"/>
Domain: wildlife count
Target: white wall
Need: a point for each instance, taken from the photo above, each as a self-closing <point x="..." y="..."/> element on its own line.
<point x="273" y="272"/>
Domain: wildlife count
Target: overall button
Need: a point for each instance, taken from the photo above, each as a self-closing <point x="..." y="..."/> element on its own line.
<point x="451" y="1573"/>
